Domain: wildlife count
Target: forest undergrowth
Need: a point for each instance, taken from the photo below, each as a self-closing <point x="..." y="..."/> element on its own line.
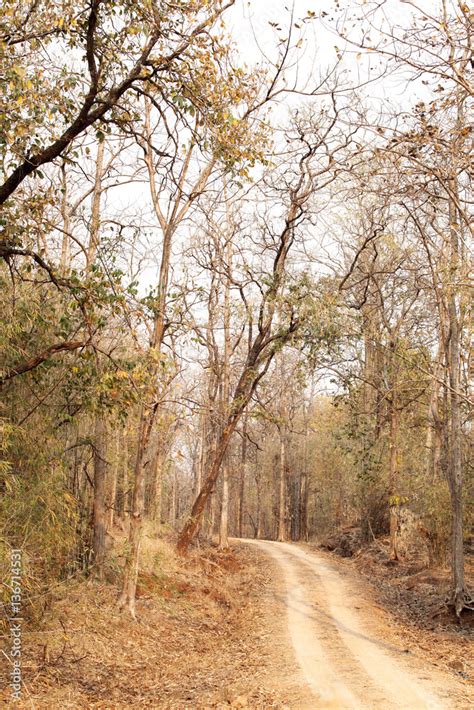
<point x="201" y="639"/>
<point x="206" y="635"/>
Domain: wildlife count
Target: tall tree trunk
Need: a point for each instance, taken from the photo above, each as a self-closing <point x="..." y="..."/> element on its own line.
<point x="125" y="476"/>
<point x="224" y="521"/>
<point x="434" y="431"/>
<point x="156" y="486"/>
<point x="99" y="507"/>
<point x="393" y="477"/>
<point x="211" y="532"/>
<point x="304" y="484"/>
<point x="96" y="200"/>
<point x="130" y="577"/>
<point x="212" y="503"/>
<point x="100" y="428"/>
<point x="201" y="453"/>
<point x="258" y="480"/>
<point x="454" y="462"/>
<point x="243" y="466"/>
<point x="175" y="497"/>
<point x="112" y="483"/>
<point x="258" y="533"/>
<point x="454" y="468"/>
<point x="303" y="523"/>
<point x="282" y="486"/>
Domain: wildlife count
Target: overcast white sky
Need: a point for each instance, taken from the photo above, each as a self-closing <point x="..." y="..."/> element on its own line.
<point x="249" y="21"/>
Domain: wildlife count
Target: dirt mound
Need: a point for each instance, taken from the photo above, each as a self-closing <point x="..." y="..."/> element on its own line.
<point x="346" y="542"/>
<point x="420" y="592"/>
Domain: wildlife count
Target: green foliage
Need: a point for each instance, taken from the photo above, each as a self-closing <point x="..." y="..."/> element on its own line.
<point x="38" y="516"/>
<point x="317" y="308"/>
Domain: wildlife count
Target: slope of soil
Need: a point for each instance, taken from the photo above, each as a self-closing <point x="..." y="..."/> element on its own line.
<point x="207" y="637"/>
<point x="350" y="654"/>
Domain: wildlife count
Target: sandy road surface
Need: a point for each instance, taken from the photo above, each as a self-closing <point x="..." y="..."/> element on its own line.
<point x="343" y="645"/>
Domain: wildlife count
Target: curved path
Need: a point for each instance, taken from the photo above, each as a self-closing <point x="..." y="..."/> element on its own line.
<point x="341" y="645"/>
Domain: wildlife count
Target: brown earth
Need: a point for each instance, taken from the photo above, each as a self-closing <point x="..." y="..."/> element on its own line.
<point x="415" y="596"/>
<point x="219" y="630"/>
<point x="207" y="636"/>
<point x="351" y="653"/>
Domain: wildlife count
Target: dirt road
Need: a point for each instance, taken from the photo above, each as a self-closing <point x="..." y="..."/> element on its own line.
<point x="343" y="645"/>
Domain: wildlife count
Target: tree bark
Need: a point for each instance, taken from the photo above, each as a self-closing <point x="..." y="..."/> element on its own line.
<point x="156" y="486"/>
<point x="125" y="477"/>
<point x="99" y="507"/>
<point x="173" y="508"/>
<point x="393" y="476"/>
<point x="282" y="486"/>
<point x="96" y="200"/>
<point x="304" y="484"/>
<point x="243" y="466"/>
<point x="201" y="454"/>
<point x="303" y="526"/>
<point x="258" y="480"/>
<point x="100" y="463"/>
<point x="130" y="577"/>
<point x="114" y="470"/>
<point x="454" y="463"/>
<point x="434" y="431"/>
<point x="224" y="521"/>
<point x="66" y="240"/>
